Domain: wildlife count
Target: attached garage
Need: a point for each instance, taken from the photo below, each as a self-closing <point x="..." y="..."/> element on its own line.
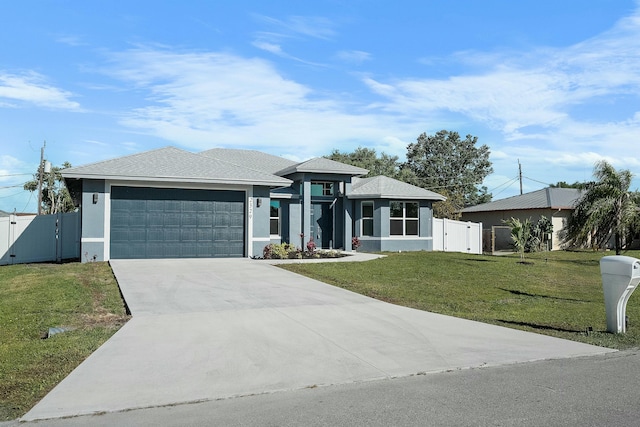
<point x="151" y="222"/>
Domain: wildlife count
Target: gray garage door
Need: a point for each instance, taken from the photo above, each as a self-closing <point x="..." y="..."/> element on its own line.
<point x="171" y="223"/>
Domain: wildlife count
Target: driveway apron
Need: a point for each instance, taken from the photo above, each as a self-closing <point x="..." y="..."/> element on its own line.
<point x="207" y="329"/>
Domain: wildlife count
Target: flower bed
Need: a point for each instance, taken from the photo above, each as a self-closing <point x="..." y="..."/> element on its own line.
<point x="289" y="251"/>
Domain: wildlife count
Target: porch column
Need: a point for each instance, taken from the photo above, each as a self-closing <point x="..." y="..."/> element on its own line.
<point x="306" y="211"/>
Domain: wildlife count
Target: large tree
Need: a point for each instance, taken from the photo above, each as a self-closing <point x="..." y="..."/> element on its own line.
<point x="368" y="158"/>
<point x="451" y="166"/>
<point x="55" y="196"/>
<point x="562" y="184"/>
<point x="606" y="209"/>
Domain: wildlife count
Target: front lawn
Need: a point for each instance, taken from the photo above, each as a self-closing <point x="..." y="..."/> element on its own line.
<point x="34" y="297"/>
<point x="557" y="293"/>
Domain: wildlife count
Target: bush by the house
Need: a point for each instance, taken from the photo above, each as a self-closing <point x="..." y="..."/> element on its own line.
<point x="289" y="251"/>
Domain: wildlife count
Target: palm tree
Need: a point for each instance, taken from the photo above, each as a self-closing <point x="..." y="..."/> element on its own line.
<point x="607" y="208"/>
<point x="520" y="234"/>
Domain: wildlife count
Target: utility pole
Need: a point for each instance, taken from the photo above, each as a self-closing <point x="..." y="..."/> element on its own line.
<point x="520" y="175"/>
<point x="41" y="172"/>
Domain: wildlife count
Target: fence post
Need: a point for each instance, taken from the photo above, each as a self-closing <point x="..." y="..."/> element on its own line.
<point x="57" y="237"/>
<point x="13" y="223"/>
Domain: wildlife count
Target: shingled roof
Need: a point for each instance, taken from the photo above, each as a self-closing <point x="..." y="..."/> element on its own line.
<point x="251" y="159"/>
<point x="546" y="198"/>
<point x="171" y="164"/>
<point x="322" y="165"/>
<point x="383" y="187"/>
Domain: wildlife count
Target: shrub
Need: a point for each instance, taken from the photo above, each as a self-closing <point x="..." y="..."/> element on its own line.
<point x="277" y="251"/>
<point x="311" y="247"/>
<point x="355" y="243"/>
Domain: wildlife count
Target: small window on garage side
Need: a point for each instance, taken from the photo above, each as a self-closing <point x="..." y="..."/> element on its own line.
<point x="404" y="218"/>
<point x="274" y="218"/>
<point x="367" y="219"/>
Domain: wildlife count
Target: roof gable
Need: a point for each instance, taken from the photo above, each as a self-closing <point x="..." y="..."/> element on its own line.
<point x="322" y="165"/>
<point x="173" y="165"/>
<point x="546" y="198"/>
<point x="383" y="187"/>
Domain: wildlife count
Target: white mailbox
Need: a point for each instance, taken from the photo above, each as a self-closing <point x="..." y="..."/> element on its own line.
<point x="620" y="277"/>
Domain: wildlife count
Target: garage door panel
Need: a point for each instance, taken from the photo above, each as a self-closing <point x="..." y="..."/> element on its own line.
<point x="205" y="234"/>
<point x="172" y="219"/>
<point x="155" y="206"/>
<point x="205" y="219"/>
<point x="155" y="250"/>
<point x="171" y="223"/>
<point x="172" y="206"/>
<point x="137" y="219"/>
<point x="156" y="219"/>
<point x="171" y="234"/>
<point x="155" y="235"/>
<point x="188" y="235"/>
<point x="234" y="221"/>
<point x="189" y="219"/>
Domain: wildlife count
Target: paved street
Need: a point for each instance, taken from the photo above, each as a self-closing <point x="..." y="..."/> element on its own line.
<point x="587" y="392"/>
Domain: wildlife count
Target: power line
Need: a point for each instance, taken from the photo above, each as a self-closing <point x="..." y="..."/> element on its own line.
<point x="11" y="195"/>
<point x="539" y="182"/>
<point x="28" y="201"/>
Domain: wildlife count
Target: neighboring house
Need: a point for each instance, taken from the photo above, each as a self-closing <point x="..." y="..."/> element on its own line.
<point x="170" y="203"/>
<point x="554" y="203"/>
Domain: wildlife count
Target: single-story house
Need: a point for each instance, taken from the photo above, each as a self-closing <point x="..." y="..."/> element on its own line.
<point x="554" y="203"/>
<point x="171" y="203"/>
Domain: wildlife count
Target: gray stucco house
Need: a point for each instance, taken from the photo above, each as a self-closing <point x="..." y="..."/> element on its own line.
<point x="170" y="203"/>
<point x="554" y="203"/>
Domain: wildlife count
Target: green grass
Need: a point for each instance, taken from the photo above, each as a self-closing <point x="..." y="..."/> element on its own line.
<point x="557" y="293"/>
<point x="34" y="297"/>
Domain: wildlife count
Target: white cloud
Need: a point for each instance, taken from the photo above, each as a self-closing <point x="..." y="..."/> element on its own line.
<point x="269" y="47"/>
<point x="32" y="88"/>
<point x="353" y="56"/>
<point x="205" y="99"/>
<point x="311" y="26"/>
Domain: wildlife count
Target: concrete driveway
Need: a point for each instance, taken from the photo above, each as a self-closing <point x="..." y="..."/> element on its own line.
<point x="212" y="329"/>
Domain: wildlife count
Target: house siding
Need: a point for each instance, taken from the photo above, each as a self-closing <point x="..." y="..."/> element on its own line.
<point x="497" y="218"/>
<point x="382" y="239"/>
<point x="93" y="220"/>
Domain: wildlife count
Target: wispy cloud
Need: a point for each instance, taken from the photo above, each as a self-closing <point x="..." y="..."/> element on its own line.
<point x="544" y="103"/>
<point x="545" y="96"/>
<point x="353" y="56"/>
<point x="310" y="26"/>
<point x="205" y="99"/>
<point x="279" y="32"/>
<point x="70" y="40"/>
<point x="32" y="89"/>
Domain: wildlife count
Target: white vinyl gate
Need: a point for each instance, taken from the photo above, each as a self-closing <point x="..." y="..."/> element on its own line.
<point x="39" y="238"/>
<point x="457" y="236"/>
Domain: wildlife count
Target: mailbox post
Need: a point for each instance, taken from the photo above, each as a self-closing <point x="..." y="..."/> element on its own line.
<point x="620" y="277"/>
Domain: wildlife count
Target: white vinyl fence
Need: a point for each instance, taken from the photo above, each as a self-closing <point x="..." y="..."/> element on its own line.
<point x="457" y="236"/>
<point x="39" y="238"/>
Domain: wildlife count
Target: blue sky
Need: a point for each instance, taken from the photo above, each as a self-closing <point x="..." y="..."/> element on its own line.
<point x="555" y="84"/>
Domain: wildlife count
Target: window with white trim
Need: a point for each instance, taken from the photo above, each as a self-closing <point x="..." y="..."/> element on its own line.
<point x="366" y="227"/>
<point x="274" y="218"/>
<point x="404" y="218"/>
